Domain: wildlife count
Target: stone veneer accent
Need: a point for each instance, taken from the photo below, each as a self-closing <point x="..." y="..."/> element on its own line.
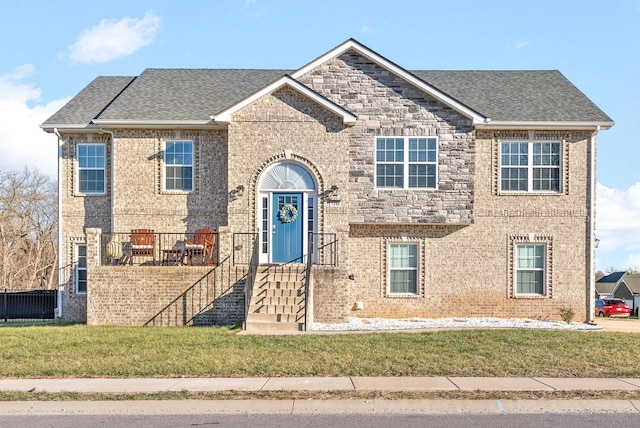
<point x="387" y="106"/>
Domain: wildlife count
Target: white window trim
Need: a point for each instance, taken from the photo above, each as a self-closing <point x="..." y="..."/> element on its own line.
<point x="103" y="169"/>
<point x="264" y="257"/>
<point x="78" y="268"/>
<point x="165" y="166"/>
<point x="530" y="239"/>
<point x="530" y="167"/>
<point x="389" y="269"/>
<point x="405" y="163"/>
<point x="543" y="270"/>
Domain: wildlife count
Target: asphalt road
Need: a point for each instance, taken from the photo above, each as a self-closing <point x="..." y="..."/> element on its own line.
<point x="572" y="420"/>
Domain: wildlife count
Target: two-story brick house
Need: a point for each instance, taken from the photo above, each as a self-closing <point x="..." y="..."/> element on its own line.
<point x="418" y="193"/>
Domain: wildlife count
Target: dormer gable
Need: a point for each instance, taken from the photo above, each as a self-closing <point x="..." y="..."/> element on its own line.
<point x="226" y="115"/>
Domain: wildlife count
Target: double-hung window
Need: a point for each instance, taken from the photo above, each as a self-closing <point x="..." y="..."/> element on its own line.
<point x="532" y="166"/>
<point x="403" y="268"/>
<point x="178" y="164"/>
<point x="81" y="269"/>
<point x="406" y="162"/>
<point x="530" y="269"/>
<point x="91" y="168"/>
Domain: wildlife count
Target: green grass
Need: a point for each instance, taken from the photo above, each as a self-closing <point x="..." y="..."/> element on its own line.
<point x="83" y="351"/>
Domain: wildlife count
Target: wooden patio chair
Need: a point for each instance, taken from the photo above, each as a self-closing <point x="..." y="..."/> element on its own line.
<point x="203" y="246"/>
<point x="142" y="244"/>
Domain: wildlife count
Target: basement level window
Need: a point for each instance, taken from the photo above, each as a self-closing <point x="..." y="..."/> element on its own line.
<point x="403" y="269"/>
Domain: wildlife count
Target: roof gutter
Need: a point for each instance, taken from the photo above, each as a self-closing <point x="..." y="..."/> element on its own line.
<point x="546" y="125"/>
<point x="75" y="128"/>
<point x="157" y="124"/>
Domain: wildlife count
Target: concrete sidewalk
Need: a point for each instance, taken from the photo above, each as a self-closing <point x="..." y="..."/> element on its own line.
<point x="319" y="384"/>
<point x="318" y="406"/>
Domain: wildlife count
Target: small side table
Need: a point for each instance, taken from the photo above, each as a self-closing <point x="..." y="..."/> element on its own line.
<point x="173" y="257"/>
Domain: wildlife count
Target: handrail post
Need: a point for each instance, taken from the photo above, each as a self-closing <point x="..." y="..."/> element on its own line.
<point x="307" y="279"/>
<point x="250" y="278"/>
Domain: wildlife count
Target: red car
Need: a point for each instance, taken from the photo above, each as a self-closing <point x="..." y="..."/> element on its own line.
<point x="612" y="308"/>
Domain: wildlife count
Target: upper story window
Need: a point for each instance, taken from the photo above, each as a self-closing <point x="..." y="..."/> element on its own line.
<point x="178" y="166"/>
<point x="530" y="166"/>
<point x="91" y="168"/>
<point x="406" y="162"/>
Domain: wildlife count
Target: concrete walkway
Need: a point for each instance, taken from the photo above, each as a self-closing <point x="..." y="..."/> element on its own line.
<point x="319" y="384"/>
<point x="318" y="406"/>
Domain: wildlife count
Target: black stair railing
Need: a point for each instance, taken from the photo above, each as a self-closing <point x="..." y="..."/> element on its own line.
<point x="251" y="277"/>
<point x="199" y="298"/>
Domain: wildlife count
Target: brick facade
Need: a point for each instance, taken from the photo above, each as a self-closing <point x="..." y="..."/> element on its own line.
<point x="465" y="229"/>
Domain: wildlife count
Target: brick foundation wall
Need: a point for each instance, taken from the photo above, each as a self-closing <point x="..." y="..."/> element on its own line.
<point x="331" y="294"/>
<point x="126" y="295"/>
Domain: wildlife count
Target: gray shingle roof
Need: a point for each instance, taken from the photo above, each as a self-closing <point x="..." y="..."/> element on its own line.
<point x="605" y="287"/>
<point x="613" y="277"/>
<point x="186" y="94"/>
<point x="544" y="95"/>
<point x="196" y="94"/>
<point x="88" y="104"/>
<point x="633" y="282"/>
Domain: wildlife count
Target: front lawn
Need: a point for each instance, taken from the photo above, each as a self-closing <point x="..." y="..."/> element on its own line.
<point x="82" y="351"/>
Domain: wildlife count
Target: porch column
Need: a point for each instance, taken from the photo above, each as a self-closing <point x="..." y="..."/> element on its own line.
<point x="93" y="248"/>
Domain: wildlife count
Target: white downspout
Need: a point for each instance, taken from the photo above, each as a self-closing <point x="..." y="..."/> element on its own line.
<point x="592" y="225"/>
<point x="60" y="247"/>
<point x="113" y="160"/>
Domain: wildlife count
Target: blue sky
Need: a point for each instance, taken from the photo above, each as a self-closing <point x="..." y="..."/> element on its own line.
<point x="51" y="50"/>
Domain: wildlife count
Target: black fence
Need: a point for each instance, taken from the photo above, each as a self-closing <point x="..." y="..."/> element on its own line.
<point x="28" y="305"/>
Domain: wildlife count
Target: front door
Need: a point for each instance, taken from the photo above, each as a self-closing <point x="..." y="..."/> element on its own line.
<point x="286" y="227"/>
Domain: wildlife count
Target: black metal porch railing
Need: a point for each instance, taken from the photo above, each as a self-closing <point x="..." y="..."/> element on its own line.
<point x="323" y="248"/>
<point x="28" y="305"/>
<point x="164" y="249"/>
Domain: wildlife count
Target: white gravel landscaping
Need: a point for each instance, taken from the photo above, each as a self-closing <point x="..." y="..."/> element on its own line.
<point x="385" y="324"/>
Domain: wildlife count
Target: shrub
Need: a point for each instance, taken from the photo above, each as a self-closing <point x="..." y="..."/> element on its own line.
<point x="567" y="314"/>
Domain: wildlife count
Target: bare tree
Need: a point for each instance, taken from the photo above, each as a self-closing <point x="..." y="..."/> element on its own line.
<point x="28" y="226"/>
<point x="632" y="270"/>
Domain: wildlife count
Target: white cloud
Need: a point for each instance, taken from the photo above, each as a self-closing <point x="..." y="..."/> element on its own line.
<point x="365" y="29"/>
<point x="111" y="39"/>
<point x="22" y="142"/>
<point x="518" y="44"/>
<point x="618" y="225"/>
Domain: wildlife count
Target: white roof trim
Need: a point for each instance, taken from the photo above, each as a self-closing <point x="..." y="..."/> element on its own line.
<point x="395" y="69"/>
<point x="79" y="127"/>
<point x="226" y="115"/>
<point x="490" y="124"/>
<point x="116" y="123"/>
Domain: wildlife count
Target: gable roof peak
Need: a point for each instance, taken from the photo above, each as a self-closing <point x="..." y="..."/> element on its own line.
<point x="353" y="44"/>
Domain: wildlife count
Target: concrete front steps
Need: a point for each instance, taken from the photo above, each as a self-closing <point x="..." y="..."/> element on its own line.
<point x="278" y="300"/>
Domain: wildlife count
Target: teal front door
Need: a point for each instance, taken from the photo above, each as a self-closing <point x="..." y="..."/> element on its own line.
<point x="286" y="228"/>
